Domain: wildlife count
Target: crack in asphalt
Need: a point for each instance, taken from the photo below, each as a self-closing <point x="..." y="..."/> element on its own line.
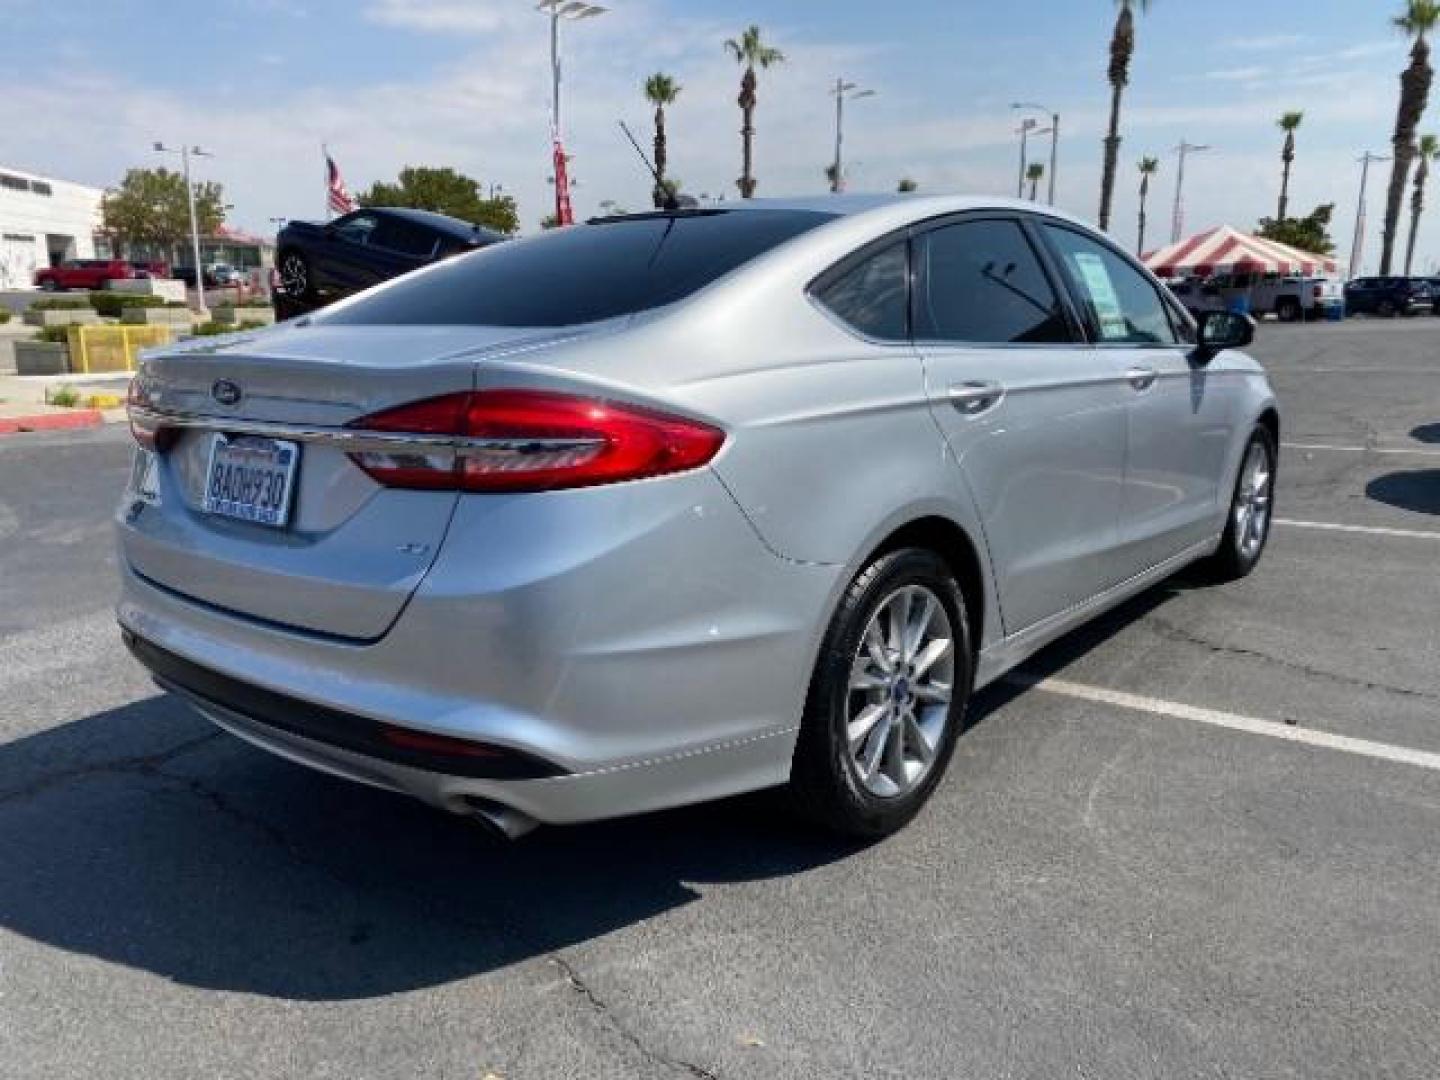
<point x="1173" y="632"/>
<point x="598" y="1005"/>
<point x="148" y="764"/>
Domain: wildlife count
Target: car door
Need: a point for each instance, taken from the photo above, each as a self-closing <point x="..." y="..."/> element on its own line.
<point x="344" y="255"/>
<point x="1035" y="418"/>
<point x="1182" y="414"/>
<point x="399" y="246"/>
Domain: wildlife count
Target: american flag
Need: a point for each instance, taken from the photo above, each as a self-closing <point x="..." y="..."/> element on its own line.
<point x="338" y="198"/>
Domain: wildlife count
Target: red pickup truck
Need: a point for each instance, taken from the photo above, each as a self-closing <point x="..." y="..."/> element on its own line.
<point x="84" y="274"/>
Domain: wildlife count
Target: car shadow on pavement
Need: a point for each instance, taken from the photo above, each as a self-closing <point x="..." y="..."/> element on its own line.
<point x="144" y="837"/>
<point x="1417" y="490"/>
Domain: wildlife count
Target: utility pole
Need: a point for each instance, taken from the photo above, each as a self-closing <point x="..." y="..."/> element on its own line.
<point x="185" y="151"/>
<point x="842" y="90"/>
<point x="1054" y="141"/>
<point x="1177" y="225"/>
<point x="1358" y="247"/>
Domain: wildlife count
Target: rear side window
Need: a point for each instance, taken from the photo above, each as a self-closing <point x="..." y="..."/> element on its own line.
<point x="584" y="274"/>
<point x="404" y="237"/>
<point x="1120" y="303"/>
<point x="873" y="295"/>
<point x="980" y="282"/>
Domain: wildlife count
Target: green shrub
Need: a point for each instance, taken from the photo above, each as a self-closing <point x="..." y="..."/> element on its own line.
<point x="53" y="334"/>
<point x="65" y="396"/>
<point x="4" y="315"/>
<point x="59" y="304"/>
<point x="110" y="304"/>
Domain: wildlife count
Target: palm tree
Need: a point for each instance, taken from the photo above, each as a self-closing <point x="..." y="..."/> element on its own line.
<point x="1149" y="166"/>
<point x="1419" y="19"/>
<point x="750" y="52"/>
<point x="1122" y="48"/>
<point x="1428" y="150"/>
<point x="1288" y="124"/>
<point x="661" y="90"/>
<point x="1034" y="172"/>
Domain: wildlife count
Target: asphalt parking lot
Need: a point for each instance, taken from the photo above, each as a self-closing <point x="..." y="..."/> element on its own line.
<point x="1200" y="838"/>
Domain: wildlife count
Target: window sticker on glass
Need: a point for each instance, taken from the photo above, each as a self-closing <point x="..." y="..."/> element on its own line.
<point x="1113" y="326"/>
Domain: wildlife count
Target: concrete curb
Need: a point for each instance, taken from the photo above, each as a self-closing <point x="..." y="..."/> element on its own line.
<point x="58" y="421"/>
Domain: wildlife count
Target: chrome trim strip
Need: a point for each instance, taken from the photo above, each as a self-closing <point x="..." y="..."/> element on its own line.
<point x="352" y="440"/>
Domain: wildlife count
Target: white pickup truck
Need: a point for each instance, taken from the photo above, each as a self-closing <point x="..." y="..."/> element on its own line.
<point x="1289" y="299"/>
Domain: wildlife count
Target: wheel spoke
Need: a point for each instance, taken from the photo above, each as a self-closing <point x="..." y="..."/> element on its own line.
<point x="918" y="740"/>
<point x="864" y="724"/>
<point x="875" y="645"/>
<point x="899" y="620"/>
<point x="938" y="649"/>
<point x="862" y="675"/>
<point x="917" y="627"/>
<point x="875" y="747"/>
<point x="893" y="762"/>
<point x="934" y="693"/>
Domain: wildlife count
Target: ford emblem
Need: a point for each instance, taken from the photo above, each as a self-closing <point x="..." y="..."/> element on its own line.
<point x="226" y="392"/>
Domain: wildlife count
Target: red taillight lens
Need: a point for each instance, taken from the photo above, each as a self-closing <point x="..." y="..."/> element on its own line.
<point x="147" y="433"/>
<point x="530" y="440"/>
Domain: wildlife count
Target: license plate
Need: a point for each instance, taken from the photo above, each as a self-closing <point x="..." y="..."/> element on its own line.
<point x="251" y="478"/>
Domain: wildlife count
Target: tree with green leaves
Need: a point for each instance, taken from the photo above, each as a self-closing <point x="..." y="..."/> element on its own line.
<point x="445" y="191"/>
<point x="750" y="52"/>
<point x="1122" y="49"/>
<point x="907" y="185"/>
<point x="1149" y="166"/>
<point x="1034" y="172"/>
<point x="661" y="90"/>
<point x="150" y="208"/>
<point x="1311" y="233"/>
<point x="1426" y="152"/>
<point x="1289" y="124"/>
<point x="1418" y="19"/>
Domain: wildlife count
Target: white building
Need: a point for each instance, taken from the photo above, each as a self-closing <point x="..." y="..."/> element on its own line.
<point x="43" y="222"/>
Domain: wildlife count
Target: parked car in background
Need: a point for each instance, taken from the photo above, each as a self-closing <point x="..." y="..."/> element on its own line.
<point x="222" y="274"/>
<point x="320" y="262"/>
<point x="84" y="274"/>
<point x="155" y="268"/>
<point x="1389" y="296"/>
<point x="676" y="505"/>
<point x="1288" y="298"/>
<point x="1434" y="283"/>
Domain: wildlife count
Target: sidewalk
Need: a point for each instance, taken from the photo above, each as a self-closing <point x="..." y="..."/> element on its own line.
<point x="24" y="402"/>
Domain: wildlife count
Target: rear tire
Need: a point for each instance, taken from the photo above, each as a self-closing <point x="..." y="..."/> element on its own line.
<point x="1385" y="309"/>
<point x="1289" y="310"/>
<point x="1252" y="506"/>
<point x="887" y="699"/>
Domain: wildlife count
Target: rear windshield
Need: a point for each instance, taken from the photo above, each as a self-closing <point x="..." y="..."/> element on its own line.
<point x="570" y="276"/>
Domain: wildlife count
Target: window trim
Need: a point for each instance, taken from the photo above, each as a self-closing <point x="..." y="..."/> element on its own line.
<point x="1042" y="258"/>
<point x="1092" y="332"/>
<point x="854" y="259"/>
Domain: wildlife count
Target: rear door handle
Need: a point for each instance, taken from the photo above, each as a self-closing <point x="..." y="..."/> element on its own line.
<point x="976" y="398"/>
<point x="1142" y="378"/>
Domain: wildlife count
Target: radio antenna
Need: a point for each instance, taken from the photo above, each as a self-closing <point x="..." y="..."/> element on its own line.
<point x="669" y="199"/>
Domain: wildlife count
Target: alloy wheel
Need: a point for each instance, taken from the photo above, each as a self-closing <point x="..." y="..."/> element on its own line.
<point x="294" y="275"/>
<point x="1252" y="502"/>
<point x="901" y="685"/>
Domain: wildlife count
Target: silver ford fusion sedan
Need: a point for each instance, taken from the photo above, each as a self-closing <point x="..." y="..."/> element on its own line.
<point x="673" y="506"/>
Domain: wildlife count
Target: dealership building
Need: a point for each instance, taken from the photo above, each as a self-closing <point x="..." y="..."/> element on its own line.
<point x="43" y="222"/>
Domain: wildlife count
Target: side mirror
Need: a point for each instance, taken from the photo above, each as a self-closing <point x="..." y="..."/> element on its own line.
<point x="1221" y="330"/>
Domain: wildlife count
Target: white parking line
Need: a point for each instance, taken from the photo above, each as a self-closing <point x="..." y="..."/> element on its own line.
<point x="1368" y="530"/>
<point x="1231" y="721"/>
<point x="1415" y="451"/>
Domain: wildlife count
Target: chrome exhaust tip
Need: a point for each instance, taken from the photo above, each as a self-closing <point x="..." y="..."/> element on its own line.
<point x="504" y="822"/>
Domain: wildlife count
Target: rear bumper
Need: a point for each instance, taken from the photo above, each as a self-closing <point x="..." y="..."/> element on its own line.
<point x="634" y="647"/>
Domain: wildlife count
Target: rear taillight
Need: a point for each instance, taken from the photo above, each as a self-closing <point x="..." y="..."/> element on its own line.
<point x="528" y="440"/>
<point x="1319" y="292"/>
<point x="150" y="434"/>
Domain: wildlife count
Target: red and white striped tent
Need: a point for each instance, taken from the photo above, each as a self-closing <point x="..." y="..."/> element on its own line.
<point x="1224" y="250"/>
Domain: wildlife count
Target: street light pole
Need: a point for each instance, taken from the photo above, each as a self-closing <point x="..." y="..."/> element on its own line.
<point x="185" y="151"/>
<point x="556" y="10"/>
<point x="842" y="91"/>
<point x="1054" y="142"/>
<point x="1177" y="224"/>
<point x="1357" y="248"/>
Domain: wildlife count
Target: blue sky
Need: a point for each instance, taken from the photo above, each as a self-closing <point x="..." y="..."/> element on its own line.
<point x="465" y="83"/>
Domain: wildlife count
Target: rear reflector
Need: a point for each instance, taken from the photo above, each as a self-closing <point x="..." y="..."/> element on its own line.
<point x="530" y="440"/>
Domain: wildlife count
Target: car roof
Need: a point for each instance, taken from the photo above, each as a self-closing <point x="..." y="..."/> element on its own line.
<point x="439" y="222"/>
<point x="910" y="204"/>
